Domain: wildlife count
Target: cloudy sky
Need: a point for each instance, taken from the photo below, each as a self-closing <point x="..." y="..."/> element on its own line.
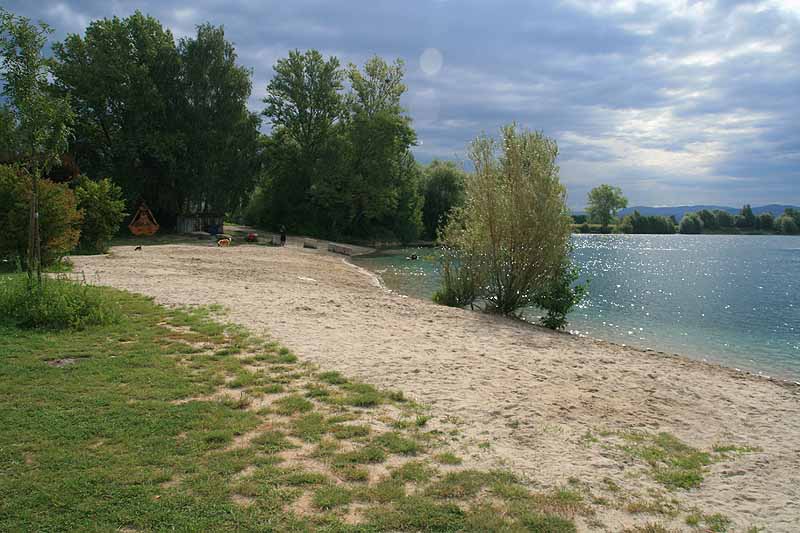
<point x="676" y="101"/>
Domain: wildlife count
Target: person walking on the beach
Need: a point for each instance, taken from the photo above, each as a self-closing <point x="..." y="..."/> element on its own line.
<point x="283" y="235"/>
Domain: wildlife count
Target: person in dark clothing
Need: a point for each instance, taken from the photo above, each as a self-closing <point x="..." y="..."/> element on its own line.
<point x="283" y="235"/>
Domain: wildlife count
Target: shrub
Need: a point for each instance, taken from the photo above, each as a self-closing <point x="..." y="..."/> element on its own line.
<point x="626" y="226"/>
<point x="560" y="297"/>
<point x="103" y="210"/>
<point x="443" y="190"/>
<point x="765" y="221"/>
<point x="724" y="219"/>
<point x="59" y="218"/>
<point x="514" y="228"/>
<point x="794" y="213"/>
<point x="54" y="304"/>
<point x="786" y="225"/>
<point x="691" y="224"/>
<point x="255" y="212"/>
<point x="709" y="219"/>
<point x="636" y="223"/>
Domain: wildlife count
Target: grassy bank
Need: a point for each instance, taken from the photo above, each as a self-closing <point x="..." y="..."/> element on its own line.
<point x="167" y="420"/>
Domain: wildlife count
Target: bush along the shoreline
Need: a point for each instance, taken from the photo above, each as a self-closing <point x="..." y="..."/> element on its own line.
<point x="561" y="296"/>
<point x="508" y="247"/>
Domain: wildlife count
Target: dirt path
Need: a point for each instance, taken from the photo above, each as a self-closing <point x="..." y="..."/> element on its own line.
<point x="521" y="396"/>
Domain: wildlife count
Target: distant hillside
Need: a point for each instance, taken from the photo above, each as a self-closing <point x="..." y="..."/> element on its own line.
<point x="679" y="210"/>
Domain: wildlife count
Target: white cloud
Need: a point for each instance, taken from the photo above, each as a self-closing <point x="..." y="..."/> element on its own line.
<point x="660" y="96"/>
<point x="67" y="18"/>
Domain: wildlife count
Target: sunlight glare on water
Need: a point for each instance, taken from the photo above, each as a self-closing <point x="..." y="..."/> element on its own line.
<point x="727" y="299"/>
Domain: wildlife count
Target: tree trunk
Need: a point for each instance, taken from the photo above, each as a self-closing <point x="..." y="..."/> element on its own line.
<point x="34" y="240"/>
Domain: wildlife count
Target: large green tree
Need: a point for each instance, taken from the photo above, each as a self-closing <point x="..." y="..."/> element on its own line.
<point x="604" y="202"/>
<point x="384" y="178"/>
<point x="746" y="218"/>
<point x="221" y="158"/>
<point x="168" y="123"/>
<point x="443" y="189"/>
<point x="304" y="105"/>
<point x="123" y="77"/>
<point x="691" y="224"/>
<point x="339" y="163"/>
<point x="36" y="125"/>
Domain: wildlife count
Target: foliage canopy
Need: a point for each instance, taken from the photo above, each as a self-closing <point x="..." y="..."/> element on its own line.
<point x="604" y="202"/>
<point x="60" y="219"/>
<point x="167" y="122"/>
<point x="443" y="184"/>
<point x="103" y="209"/>
<point x="339" y="163"/>
<point x="513" y="233"/>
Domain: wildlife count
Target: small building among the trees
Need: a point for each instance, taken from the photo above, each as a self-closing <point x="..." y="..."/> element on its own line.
<point x="208" y="222"/>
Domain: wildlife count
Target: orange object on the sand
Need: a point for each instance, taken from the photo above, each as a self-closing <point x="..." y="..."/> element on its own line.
<point x="143" y="223"/>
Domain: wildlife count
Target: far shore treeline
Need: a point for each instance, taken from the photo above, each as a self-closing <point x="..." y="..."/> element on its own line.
<point x="605" y="201"/>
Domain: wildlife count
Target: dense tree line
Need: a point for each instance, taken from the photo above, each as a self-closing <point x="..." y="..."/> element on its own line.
<point x="338" y="161"/>
<point x="604" y="201"/>
<point x="166" y="120"/>
<point x="636" y="223"/>
<point x="719" y="221"/>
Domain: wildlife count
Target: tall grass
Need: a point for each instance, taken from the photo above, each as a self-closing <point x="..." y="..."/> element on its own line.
<point x="56" y="303"/>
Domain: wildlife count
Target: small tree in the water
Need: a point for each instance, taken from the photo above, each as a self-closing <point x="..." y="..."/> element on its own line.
<point x="512" y="237"/>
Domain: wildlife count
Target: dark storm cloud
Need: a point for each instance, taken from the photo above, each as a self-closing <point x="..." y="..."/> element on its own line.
<point x="678" y="101"/>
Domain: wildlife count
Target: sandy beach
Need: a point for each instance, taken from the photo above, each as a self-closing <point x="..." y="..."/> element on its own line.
<point x="521" y="397"/>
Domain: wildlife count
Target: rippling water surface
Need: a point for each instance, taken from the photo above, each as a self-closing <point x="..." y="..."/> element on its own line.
<point x="729" y="299"/>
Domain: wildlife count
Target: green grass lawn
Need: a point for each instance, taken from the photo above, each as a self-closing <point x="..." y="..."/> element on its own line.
<point x="168" y="421"/>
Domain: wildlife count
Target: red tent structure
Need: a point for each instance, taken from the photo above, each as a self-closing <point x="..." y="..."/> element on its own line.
<point x="143" y="223"/>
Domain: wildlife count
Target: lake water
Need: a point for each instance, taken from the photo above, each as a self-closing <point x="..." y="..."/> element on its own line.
<point x="734" y="300"/>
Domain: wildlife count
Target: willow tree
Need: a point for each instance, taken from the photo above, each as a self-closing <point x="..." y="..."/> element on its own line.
<point x="513" y="232"/>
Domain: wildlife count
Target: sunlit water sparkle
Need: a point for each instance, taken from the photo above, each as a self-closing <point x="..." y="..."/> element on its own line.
<point x="727" y="299"/>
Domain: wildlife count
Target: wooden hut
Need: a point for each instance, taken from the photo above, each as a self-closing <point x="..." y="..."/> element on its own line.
<point x="208" y="222"/>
